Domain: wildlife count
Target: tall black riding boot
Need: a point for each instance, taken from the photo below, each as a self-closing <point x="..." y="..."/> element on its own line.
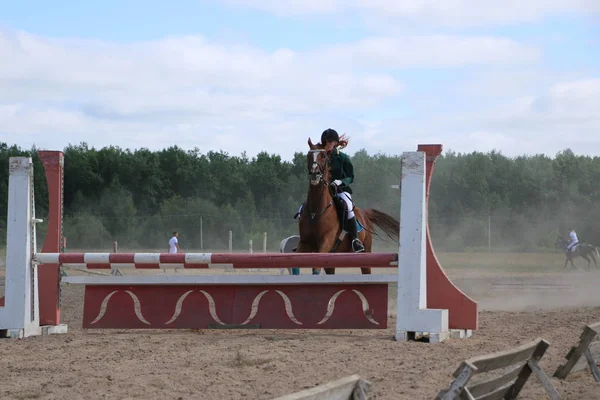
<point x="352" y="229"/>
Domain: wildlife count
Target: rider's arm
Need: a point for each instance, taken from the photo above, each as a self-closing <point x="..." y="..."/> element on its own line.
<point x="348" y="169"/>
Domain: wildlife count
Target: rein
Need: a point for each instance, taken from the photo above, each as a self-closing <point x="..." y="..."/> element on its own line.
<point x="319" y="177"/>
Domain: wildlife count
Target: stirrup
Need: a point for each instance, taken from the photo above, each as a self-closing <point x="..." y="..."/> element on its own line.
<point x="357" y="246"/>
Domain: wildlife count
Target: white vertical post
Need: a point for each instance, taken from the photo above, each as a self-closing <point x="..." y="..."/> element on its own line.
<point x="250" y="251"/>
<point x="201" y="235"/>
<point x="489" y="234"/>
<point x="412" y="313"/>
<point x="265" y="242"/>
<point x="20" y="315"/>
<point x="230" y="241"/>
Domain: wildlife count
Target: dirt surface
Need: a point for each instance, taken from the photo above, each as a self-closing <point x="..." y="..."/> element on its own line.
<point x="516" y="307"/>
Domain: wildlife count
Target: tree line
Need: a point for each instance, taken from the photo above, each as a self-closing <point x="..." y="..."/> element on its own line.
<point x="138" y="197"/>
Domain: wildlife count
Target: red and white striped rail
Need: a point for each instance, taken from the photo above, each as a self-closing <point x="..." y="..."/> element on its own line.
<point x="219" y="260"/>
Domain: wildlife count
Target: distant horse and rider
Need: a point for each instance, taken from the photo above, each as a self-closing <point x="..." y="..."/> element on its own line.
<point x="574" y="248"/>
<point x="329" y="220"/>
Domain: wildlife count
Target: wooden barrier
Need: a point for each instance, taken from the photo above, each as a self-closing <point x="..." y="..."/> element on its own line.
<point x="352" y="387"/>
<point x="518" y="363"/>
<point x="584" y="356"/>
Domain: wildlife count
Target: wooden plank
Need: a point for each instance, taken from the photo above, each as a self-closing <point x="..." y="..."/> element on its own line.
<point x="497" y="394"/>
<point x="593" y="364"/>
<point x="467" y="370"/>
<point x="160" y="280"/>
<point x="524" y="360"/>
<point x="582" y="363"/>
<point x="506" y="358"/>
<point x="270" y="307"/>
<point x="484" y="387"/>
<point x="530" y="367"/>
<point x="595" y="327"/>
<point x="587" y="336"/>
<point x="466" y="395"/>
<point x="544" y="380"/>
<point x="352" y="387"/>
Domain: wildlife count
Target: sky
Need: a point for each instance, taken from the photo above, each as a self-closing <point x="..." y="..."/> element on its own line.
<point x="265" y="75"/>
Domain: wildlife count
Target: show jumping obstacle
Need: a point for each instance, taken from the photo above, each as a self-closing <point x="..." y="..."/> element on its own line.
<point x="427" y="302"/>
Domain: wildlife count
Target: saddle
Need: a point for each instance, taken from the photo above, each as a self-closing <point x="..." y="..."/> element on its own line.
<point x="340" y="208"/>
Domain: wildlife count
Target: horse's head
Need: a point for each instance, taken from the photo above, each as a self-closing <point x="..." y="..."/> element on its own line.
<point x="317" y="161"/>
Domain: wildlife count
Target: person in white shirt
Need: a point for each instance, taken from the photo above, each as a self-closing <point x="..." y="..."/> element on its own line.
<point x="174" y="243"/>
<point x="574" y="241"/>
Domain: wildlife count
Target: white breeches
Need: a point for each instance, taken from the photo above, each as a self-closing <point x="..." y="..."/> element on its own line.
<point x="573" y="245"/>
<point x="348" y="199"/>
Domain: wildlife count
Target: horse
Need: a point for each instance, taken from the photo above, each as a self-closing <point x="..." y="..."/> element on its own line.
<point x="584" y="250"/>
<point x="323" y="215"/>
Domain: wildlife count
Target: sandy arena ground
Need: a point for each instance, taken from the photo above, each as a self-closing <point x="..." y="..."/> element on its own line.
<point x="516" y="307"/>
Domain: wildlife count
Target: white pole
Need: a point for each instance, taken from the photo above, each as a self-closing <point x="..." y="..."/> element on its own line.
<point x="250" y="246"/>
<point x="489" y="234"/>
<point x="265" y="242"/>
<point x="201" y="235"/>
<point x="230" y="241"/>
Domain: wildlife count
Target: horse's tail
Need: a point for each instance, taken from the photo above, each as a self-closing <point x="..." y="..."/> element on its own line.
<point x="385" y="222"/>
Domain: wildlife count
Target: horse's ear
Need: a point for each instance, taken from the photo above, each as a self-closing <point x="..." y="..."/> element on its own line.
<point x="310" y="144"/>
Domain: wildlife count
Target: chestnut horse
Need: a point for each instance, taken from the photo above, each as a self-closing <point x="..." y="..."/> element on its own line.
<point x="320" y="221"/>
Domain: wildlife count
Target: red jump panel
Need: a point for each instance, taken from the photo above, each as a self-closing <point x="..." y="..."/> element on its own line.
<point x="335" y="306"/>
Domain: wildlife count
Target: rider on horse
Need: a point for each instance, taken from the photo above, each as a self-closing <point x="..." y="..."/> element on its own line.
<point x="341" y="176"/>
<point x="573" y="241"/>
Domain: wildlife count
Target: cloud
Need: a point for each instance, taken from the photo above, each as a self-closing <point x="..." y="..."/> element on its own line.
<point x="565" y="115"/>
<point x="476" y="12"/>
<point x="431" y="12"/>
<point x="195" y="92"/>
<point x="180" y="75"/>
<point x="433" y="51"/>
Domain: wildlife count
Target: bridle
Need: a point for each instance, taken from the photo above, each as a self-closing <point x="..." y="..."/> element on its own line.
<point x="316" y="172"/>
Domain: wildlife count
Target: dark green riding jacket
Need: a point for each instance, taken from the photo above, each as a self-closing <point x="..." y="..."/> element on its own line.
<point x="341" y="168"/>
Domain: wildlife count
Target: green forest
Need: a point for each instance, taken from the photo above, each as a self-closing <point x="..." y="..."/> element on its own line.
<point x="139" y="197"/>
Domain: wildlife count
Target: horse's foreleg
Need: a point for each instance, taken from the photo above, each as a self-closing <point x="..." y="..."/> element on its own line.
<point x="325" y="247"/>
<point x="302" y="247"/>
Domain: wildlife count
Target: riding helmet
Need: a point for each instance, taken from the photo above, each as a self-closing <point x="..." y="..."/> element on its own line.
<point x="329" y="135"/>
